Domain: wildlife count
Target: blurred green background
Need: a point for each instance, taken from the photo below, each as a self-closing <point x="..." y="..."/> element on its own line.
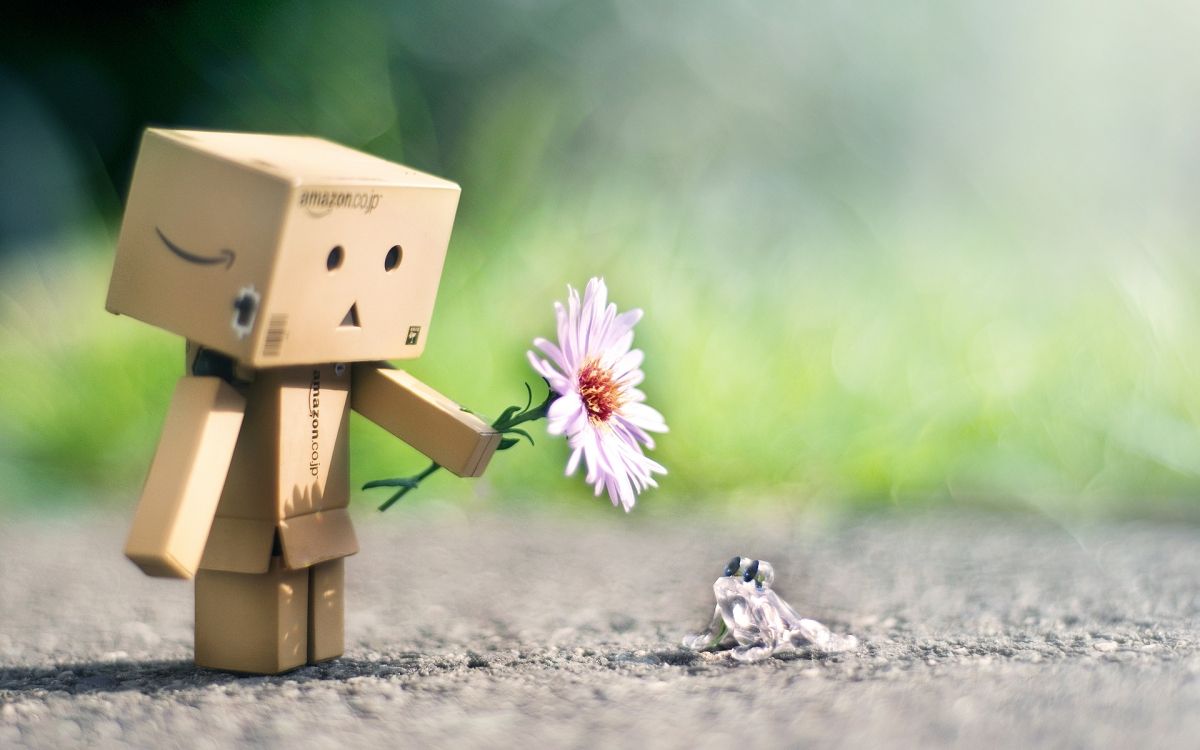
<point x="889" y="253"/>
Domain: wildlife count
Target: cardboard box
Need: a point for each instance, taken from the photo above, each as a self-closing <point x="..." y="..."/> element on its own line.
<point x="290" y="474"/>
<point x="180" y="496"/>
<point x="280" y="250"/>
<point x="326" y="610"/>
<point x="425" y="419"/>
<point x="256" y="623"/>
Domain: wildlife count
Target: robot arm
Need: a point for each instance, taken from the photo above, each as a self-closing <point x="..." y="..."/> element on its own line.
<point x="179" y="499"/>
<point x="425" y="419"/>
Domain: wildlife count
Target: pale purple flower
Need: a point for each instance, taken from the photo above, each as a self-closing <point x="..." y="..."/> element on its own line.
<point x="599" y="408"/>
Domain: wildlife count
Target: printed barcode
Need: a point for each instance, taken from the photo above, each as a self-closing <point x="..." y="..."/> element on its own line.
<point x="276" y="332"/>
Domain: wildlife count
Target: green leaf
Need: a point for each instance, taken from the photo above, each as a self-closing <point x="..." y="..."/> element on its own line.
<point x="396" y="482"/>
<point x="505" y="416"/>
<point x="520" y="432"/>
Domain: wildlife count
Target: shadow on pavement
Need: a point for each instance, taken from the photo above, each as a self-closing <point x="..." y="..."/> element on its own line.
<point x="167" y="677"/>
<point x="159" y="677"/>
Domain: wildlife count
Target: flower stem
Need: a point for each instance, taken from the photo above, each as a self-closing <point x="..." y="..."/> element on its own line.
<point x="505" y="424"/>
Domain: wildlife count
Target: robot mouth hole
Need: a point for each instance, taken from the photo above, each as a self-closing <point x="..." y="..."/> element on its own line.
<point x="351" y="320"/>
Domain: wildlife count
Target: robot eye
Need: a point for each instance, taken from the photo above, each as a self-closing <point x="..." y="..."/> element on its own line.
<point x="733" y="566"/>
<point x="393" y="258"/>
<point x="334" y="260"/>
<point x="751" y="572"/>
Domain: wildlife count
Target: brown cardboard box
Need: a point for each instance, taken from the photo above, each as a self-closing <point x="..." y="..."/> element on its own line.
<point x="326" y="608"/>
<point x="425" y="419"/>
<point x="280" y="250"/>
<point x="254" y="623"/>
<point x="180" y="496"/>
<point x="290" y="474"/>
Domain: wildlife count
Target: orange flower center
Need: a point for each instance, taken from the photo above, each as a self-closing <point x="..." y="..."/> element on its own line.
<point x="598" y="391"/>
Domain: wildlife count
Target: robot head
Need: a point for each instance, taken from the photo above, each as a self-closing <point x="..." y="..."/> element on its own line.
<point x="281" y="250"/>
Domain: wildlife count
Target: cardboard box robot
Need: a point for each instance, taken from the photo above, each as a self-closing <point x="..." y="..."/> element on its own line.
<point x="293" y="266"/>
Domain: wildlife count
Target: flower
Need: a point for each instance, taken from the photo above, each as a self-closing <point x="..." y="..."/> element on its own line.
<point x="599" y="408"/>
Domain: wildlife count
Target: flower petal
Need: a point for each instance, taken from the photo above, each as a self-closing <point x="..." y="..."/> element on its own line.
<point x="554" y="353"/>
<point x="564" y="413"/>
<point x="621" y="326"/>
<point x="618" y="348"/>
<point x="558" y="383"/>
<point x="630" y="361"/>
<point x="573" y="461"/>
<point x="646" y="417"/>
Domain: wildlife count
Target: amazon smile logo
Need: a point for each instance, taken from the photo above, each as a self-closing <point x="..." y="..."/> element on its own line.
<point x="224" y="255"/>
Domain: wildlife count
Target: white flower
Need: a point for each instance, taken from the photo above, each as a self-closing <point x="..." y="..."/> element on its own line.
<point x="599" y="408"/>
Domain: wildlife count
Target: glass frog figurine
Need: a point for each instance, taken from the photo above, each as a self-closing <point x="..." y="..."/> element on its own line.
<point x="753" y="616"/>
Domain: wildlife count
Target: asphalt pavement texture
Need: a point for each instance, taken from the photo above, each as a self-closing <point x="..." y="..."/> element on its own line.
<point x="486" y="629"/>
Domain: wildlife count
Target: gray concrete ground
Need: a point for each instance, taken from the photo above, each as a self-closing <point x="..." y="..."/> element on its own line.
<point x="488" y="630"/>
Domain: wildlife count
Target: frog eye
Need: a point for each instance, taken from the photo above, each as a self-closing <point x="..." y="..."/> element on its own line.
<point x="751" y="572"/>
<point x="733" y="566"/>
